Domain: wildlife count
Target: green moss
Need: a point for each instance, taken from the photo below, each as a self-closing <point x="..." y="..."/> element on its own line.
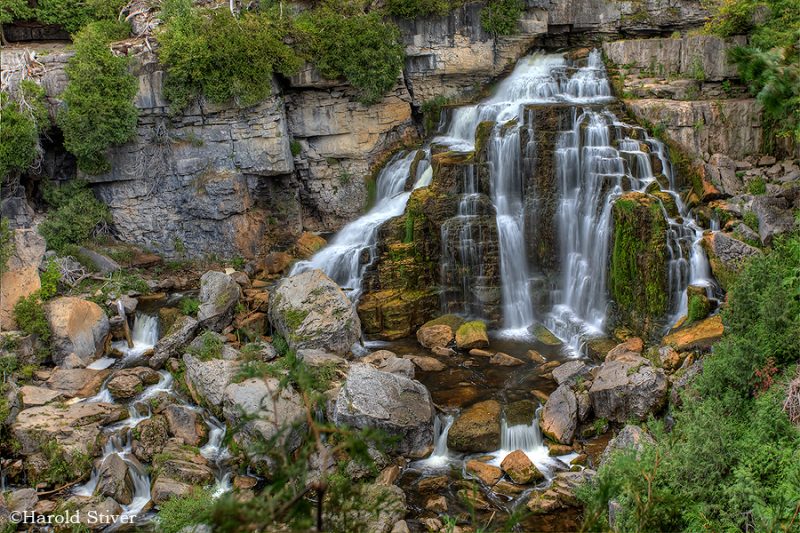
<point x="295" y="318"/>
<point x="757" y="187"/>
<point x="210" y="347"/>
<point x="454" y="321"/>
<point x="545" y="336"/>
<point x="699" y="308"/>
<point x="751" y="220"/>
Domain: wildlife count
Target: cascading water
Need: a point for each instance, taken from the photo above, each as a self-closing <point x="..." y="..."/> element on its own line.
<point x="440" y="456"/>
<point x="144" y="336"/>
<point x="343" y="259"/>
<point x="218" y="454"/>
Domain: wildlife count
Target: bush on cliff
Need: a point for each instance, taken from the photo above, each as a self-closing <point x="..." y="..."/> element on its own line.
<point x="500" y="17"/>
<point x="362" y="48"/>
<point x="419" y="8"/>
<point x="75" y="215"/>
<point x="98" y="107"/>
<point x="731" y="460"/>
<point x="24" y="117"/>
<point x="238" y="66"/>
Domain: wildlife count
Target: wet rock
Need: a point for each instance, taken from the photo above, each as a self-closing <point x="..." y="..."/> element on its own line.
<point x="502" y="359"/>
<point x="555" y="450"/>
<point x="560" y="415"/>
<point x="20" y="275"/>
<point x="185" y="424"/>
<point x="77" y="326"/>
<point x="520" y="412"/>
<point x="130" y="382"/>
<point x="584" y="405"/>
<point x="432" y="484"/>
<point x="436" y="504"/>
<point x="183" y="463"/>
<point x="392" y="403"/>
<point x="570" y="372"/>
<point x="219" y="294"/>
<point x="75" y="427"/>
<point x="474" y="498"/>
<point x="545" y="336"/>
<point x="207" y="379"/>
<point x="437" y="336"/>
<point x="509" y="489"/>
<point x="520" y="468"/>
<point x="80" y="382"/>
<point x="536" y="357"/>
<point x="477" y="428"/>
<point x="149" y="437"/>
<point x="631" y="438"/>
<point x="488" y="474"/>
<point x="114" y="480"/>
<point x="36" y="396"/>
<point x="697" y="336"/>
<point x="426" y="364"/>
<point x="628" y="388"/>
<point x="540" y="395"/>
<point x="165" y="489"/>
<point x="262" y="408"/>
<point x="308" y="244"/>
<point x="472" y="335"/>
<point x="477" y="352"/>
<point x="172" y="344"/>
<point x="387" y="361"/>
<point x="310" y="311"/>
<point x="443" y="351"/>
<point x="561" y="493"/>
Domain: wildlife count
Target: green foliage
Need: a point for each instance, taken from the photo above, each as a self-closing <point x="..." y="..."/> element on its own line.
<point x="210" y="347"/>
<point x="73" y="15"/>
<point x="750" y="220"/>
<point x="11" y="10"/>
<point x="7" y="244"/>
<point x="238" y="68"/>
<point x="757" y="186"/>
<point x="360" y="47"/>
<point x="432" y="112"/>
<point x="49" y="280"/>
<point x="419" y="8"/>
<point x="74" y="216"/>
<point x="730" y="461"/>
<point x="296" y="147"/>
<point x="698" y="308"/>
<point x="189" y="306"/>
<point x="500" y="17"/>
<point x="24" y="116"/>
<point x="98" y="107"/>
<point x="30" y="317"/>
<point x="177" y="513"/>
<point x="62" y="467"/>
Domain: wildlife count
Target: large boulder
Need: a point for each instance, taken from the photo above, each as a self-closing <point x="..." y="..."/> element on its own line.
<point x="439" y="332"/>
<point x="697" y="336"/>
<point x="262" y="409"/>
<point x="179" y="335"/>
<point x="78" y="326"/>
<point x="472" y="335"/>
<point x="627" y="388"/>
<point x="130" y="382"/>
<point x="186" y="424"/>
<point x="560" y="415"/>
<point x="114" y="480"/>
<point x="310" y="311"/>
<point x="80" y="382"/>
<point x="207" y="379"/>
<point x="399" y="406"/>
<point x="477" y="429"/>
<point x="21" y="273"/>
<point x="520" y="468"/>
<point x="631" y="438"/>
<point x="726" y="256"/>
<point x="775" y="217"/>
<point x="219" y="294"/>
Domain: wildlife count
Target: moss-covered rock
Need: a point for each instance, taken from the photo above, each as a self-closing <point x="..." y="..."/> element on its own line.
<point x="471" y="335"/>
<point x="637" y="278"/>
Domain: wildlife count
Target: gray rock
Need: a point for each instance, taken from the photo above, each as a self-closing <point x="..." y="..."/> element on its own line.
<point x="387" y="361"/>
<point x="684" y="379"/>
<point x="185" y="424"/>
<point x="165" y="489"/>
<point x="775" y="217"/>
<point x="263" y="408"/>
<point x="22" y="500"/>
<point x="631" y="438"/>
<point x="219" y="295"/>
<point x="114" y="480"/>
<point x="310" y="311"/>
<point x="560" y="415"/>
<point x="173" y="343"/>
<point x="316" y="358"/>
<point x="392" y="403"/>
<point x="207" y="379"/>
<point x="569" y="372"/>
<point x="102" y="263"/>
<point x="627" y="388"/>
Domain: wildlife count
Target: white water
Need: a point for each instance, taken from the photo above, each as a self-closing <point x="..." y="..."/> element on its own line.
<point x="525" y="437"/>
<point x="343" y="259"/>
<point x="144" y="336"/>
<point x="441" y="456"/>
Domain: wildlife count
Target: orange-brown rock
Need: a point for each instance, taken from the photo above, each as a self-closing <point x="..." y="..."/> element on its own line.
<point x="520" y="468"/>
<point x="488" y="474"/>
<point x="697" y="336"/>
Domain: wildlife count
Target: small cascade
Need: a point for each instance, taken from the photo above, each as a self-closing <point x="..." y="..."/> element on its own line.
<point x="218" y="454"/>
<point x="525" y="437"/>
<point x="352" y="250"/>
<point x="440" y="457"/>
<point x="125" y="327"/>
<point x="144" y="336"/>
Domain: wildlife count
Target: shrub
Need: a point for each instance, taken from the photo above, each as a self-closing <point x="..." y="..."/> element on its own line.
<point x="73" y="15"/>
<point x="360" y="47"/>
<point x="750" y="220"/>
<point x="30" y="317"/>
<point x="49" y="280"/>
<point x="757" y="186"/>
<point x="189" y="306"/>
<point x="98" y="107"/>
<point x="7" y="244"/>
<point x="418" y="8"/>
<point x="24" y="117"/>
<point x="74" y="216"/>
<point x="177" y="513"/>
<point x="500" y="17"/>
<point x="238" y="68"/>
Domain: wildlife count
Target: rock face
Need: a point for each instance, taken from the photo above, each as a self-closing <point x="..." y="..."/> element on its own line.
<point x="477" y="429"/>
<point x="560" y="415"/>
<point x="627" y="388"/>
<point x="262" y="408"/>
<point x="21" y="273"/>
<point x="78" y="326"/>
<point x="394" y="404"/>
<point x="726" y="256"/>
<point x="219" y="294"/>
<point x="310" y="311"/>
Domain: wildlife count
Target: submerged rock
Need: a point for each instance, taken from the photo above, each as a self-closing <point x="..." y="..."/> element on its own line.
<point x="310" y="311"/>
<point x="560" y="415"/>
<point x="477" y="428"/>
<point x="392" y="403"/>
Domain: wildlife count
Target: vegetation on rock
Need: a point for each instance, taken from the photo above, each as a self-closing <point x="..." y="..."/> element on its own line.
<point x="75" y="215"/>
<point x="24" y="119"/>
<point x="500" y="17"/>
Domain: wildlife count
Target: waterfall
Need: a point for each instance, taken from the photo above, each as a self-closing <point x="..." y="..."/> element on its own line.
<point x="343" y="259"/>
<point x="218" y="454"/>
<point x="440" y="456"/>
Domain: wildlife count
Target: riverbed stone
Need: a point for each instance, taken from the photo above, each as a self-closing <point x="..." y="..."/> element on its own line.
<point x="570" y="372"/>
<point x="488" y="474"/>
<point x="114" y="480"/>
<point x="503" y="359"/>
<point x="477" y="428"/>
<point x="149" y="437"/>
<point x="520" y="468"/>
<point x="627" y="388"/>
<point x="77" y="382"/>
<point x="219" y="294"/>
<point x="472" y="335"/>
<point x="560" y="415"/>
<point x="78" y="326"/>
<point x="425" y="363"/>
<point x="183" y="463"/>
<point x="186" y="424"/>
<point x="36" y="396"/>
<point x="127" y="383"/>
<point x="387" y="361"/>
<point x="310" y="311"/>
<point x="392" y="403"/>
<point x="207" y="379"/>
